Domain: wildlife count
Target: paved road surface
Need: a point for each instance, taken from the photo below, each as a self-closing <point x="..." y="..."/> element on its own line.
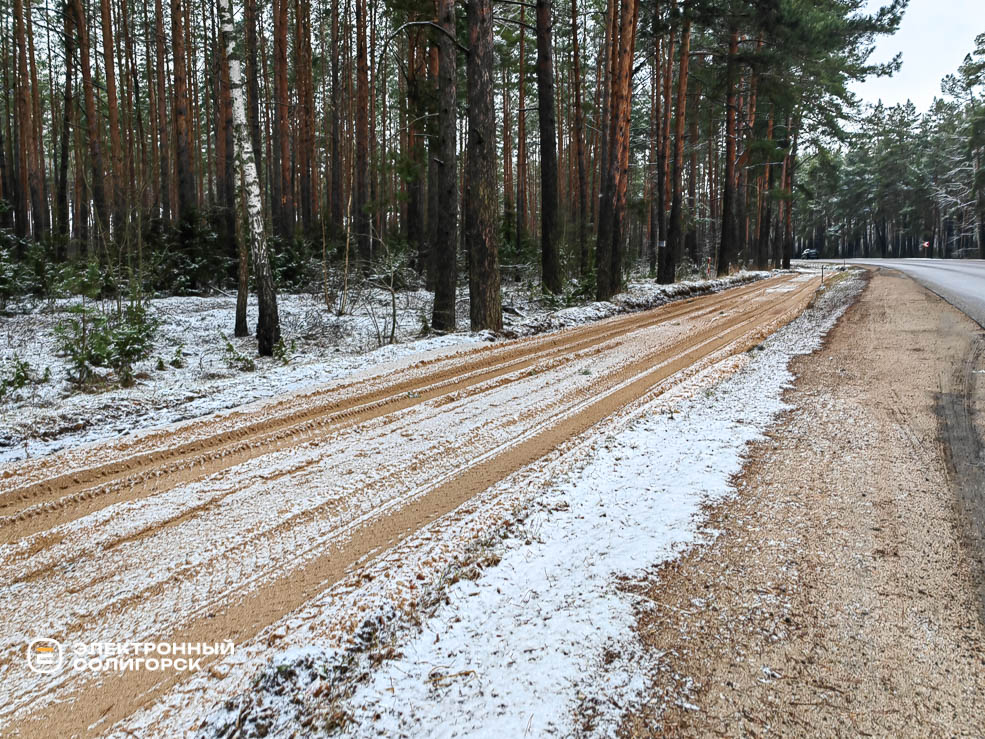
<point x="961" y="282"/>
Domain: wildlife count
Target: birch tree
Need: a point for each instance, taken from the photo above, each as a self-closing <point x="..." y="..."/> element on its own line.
<point x="250" y="199"/>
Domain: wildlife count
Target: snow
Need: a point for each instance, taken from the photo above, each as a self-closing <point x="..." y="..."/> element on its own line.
<point x="545" y="637"/>
<point x="46" y="417"/>
<point x="524" y="642"/>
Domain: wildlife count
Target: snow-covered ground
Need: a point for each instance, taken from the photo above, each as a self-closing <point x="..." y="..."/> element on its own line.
<point x="44" y="417"/>
<point x="527" y="630"/>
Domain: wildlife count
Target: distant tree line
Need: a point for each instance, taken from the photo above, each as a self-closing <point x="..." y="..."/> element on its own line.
<point x="904" y="184"/>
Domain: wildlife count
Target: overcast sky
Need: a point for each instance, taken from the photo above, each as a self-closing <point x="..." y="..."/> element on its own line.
<point x="934" y="37"/>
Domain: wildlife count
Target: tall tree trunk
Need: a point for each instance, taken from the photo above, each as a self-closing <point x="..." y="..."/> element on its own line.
<point x="663" y="157"/>
<point x="446" y="271"/>
<point x="485" y="310"/>
<point x="788" y="225"/>
<point x="509" y="184"/>
<point x="306" y="112"/>
<point x="627" y="43"/>
<point x="980" y="201"/>
<point x="336" y="143"/>
<point x="25" y="125"/>
<point x="253" y="82"/>
<point x="112" y="106"/>
<point x="655" y="129"/>
<point x="226" y="185"/>
<point x="37" y="178"/>
<point x="361" y="200"/>
<point x="766" y="212"/>
<point x="521" y="141"/>
<point x="726" y="249"/>
<point x="691" y="234"/>
<point x="612" y="203"/>
<point x="162" y="113"/>
<point x="607" y="189"/>
<point x="434" y="169"/>
<point x="579" y="136"/>
<point x="550" y="264"/>
<point x="284" y="213"/>
<point x="416" y="152"/>
<point x="675" y="232"/>
<point x="61" y="194"/>
<point x="97" y="185"/>
<point x="268" y="325"/>
<point x="187" y="198"/>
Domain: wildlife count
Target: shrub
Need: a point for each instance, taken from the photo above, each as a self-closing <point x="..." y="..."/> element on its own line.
<point x="21" y="375"/>
<point x="15" y="279"/>
<point x="283" y="351"/>
<point x="235" y="359"/>
<point x="92" y="339"/>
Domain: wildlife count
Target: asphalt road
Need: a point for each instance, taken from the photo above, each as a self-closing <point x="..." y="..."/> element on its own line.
<point x="961" y="282"/>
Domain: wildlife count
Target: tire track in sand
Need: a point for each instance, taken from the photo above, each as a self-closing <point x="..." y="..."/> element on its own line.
<point x="244" y="614"/>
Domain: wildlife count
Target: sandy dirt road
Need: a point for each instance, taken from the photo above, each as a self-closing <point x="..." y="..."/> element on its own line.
<point x="217" y="528"/>
<point x="839" y="598"/>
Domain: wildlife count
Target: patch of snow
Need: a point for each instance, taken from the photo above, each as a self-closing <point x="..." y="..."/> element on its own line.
<point x="46" y="417"/>
<point x="524" y="645"/>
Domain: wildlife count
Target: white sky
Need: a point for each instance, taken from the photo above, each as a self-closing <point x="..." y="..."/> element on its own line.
<point x="934" y="37"/>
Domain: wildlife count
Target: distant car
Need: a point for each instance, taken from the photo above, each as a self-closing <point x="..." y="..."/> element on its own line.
<point x="808" y="254"/>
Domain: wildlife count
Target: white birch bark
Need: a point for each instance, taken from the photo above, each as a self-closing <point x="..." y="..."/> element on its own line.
<point x="250" y="199"/>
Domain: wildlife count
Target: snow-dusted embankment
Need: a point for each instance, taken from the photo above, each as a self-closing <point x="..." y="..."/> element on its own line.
<point x="194" y="368"/>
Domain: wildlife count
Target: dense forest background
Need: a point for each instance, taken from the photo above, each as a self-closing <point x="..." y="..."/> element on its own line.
<point x="183" y="146"/>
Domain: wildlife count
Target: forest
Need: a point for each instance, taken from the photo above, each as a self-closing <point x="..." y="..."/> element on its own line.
<point x="178" y="147"/>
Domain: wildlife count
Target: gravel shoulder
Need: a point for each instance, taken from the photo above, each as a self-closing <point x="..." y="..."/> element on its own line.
<point x="838" y="596"/>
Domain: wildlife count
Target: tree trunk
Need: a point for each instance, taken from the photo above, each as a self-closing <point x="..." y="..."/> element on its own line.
<point x="306" y="112"/>
<point x="612" y="202"/>
<point x="726" y="249"/>
<point x="485" y="310"/>
<point x="187" y="199"/>
<point x="61" y="189"/>
<point x="980" y="202"/>
<point x="675" y="232"/>
<point x="579" y="135"/>
<point x="37" y="177"/>
<point x="112" y="105"/>
<point x="416" y="153"/>
<point x="766" y="212"/>
<point x="92" y="124"/>
<point x="284" y="212"/>
<point x="607" y="189"/>
<point x="521" y="143"/>
<point x="550" y="265"/>
<point x="663" y="158"/>
<point x="655" y="128"/>
<point x="25" y="126"/>
<point x="268" y="325"/>
<point x="162" y="113"/>
<point x="691" y="235"/>
<point x="446" y="272"/>
<point x="434" y="169"/>
<point x="361" y="200"/>
<point x="788" y="226"/>
<point x="336" y="144"/>
<point x="509" y="185"/>
<point x="627" y="43"/>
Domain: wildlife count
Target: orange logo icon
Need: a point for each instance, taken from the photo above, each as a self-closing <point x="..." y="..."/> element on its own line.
<point x="44" y="656"/>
